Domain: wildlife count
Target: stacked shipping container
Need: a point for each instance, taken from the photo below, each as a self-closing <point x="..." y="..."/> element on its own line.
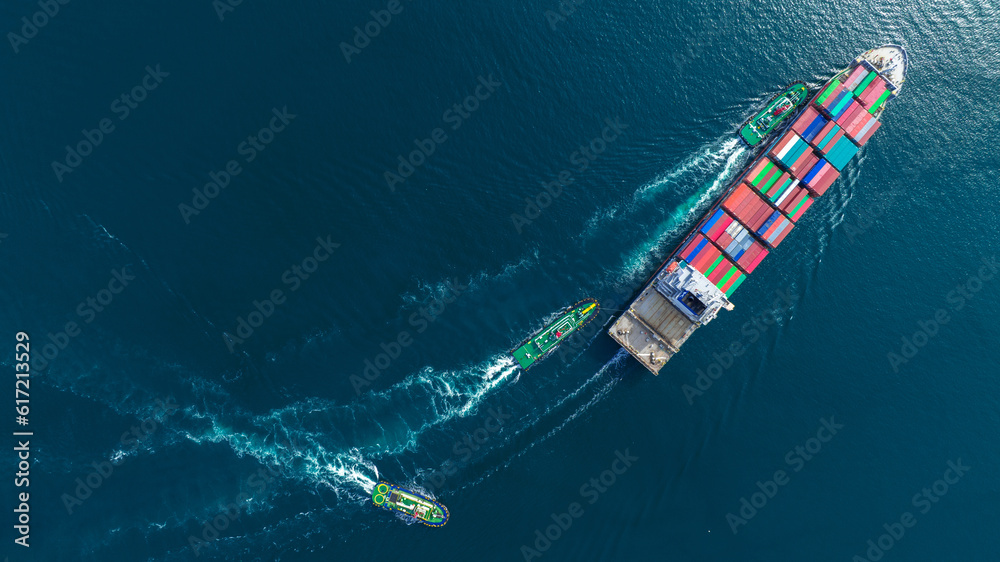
<point x="706" y="258"/>
<point x="734" y="239"/>
<point x="783" y="183"/>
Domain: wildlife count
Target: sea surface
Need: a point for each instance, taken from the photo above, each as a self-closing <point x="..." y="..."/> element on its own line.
<point x="239" y="323"/>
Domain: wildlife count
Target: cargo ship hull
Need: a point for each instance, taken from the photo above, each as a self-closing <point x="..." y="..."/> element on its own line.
<point x="759" y="208"/>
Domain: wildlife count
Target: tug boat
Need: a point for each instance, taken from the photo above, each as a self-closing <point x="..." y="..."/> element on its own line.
<point x="394" y="498"/>
<point x="539" y="345"/>
<point x="780" y="108"/>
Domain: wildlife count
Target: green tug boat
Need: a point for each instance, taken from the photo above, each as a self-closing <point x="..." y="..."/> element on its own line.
<point x="392" y="497"/>
<point x="781" y="107"/>
<point x="538" y="346"/>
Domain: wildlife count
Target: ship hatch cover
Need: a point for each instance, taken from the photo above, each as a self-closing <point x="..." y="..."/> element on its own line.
<point x="692" y="302"/>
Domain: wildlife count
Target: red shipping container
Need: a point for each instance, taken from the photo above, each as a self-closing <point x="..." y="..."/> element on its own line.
<point x="729" y="283"/>
<point x="871" y="86"/>
<point x="874" y="91"/>
<point x="792" y="202"/>
<point x="736" y="198"/>
<point x="745" y="211"/>
<point x="833" y="141"/>
<point x="760" y="216"/>
<point x="857" y="75"/>
<point x="749" y="260"/>
<point x="870" y="132"/>
<point x="820" y="186"/>
<point x="849" y="115"/>
<point x="755" y="171"/>
<point x="742" y="202"/>
<point x="720" y="271"/>
<point x="750" y="203"/>
<point x="790" y="137"/>
<point x="802" y="166"/>
<point x="686" y="252"/>
<point x="748" y="255"/>
<point x="770" y="174"/>
<point x="833" y="96"/>
<point x="756" y="261"/>
<point x="805" y="206"/>
<point x="822" y="133"/>
<point x="859" y="123"/>
<point x="749" y="207"/>
<point x="802" y="123"/>
<point x="720" y="226"/>
<point x="726" y="220"/>
<point x="705" y="259"/>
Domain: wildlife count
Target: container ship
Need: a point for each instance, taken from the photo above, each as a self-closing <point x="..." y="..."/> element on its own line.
<point x="760" y="208"/>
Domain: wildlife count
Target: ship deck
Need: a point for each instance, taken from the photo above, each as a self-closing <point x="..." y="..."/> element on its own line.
<point x="652" y="329"/>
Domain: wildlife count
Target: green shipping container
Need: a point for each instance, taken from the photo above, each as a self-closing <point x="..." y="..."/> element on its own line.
<point x="826" y="93"/>
<point x="878" y="103"/>
<point x="763" y="173"/>
<point x="714" y="265"/>
<point x="736" y="285"/>
<point x="864" y="83"/>
<point x="725" y="278"/>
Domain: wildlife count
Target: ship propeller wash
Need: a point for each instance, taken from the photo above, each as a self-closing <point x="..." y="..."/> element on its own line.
<point x="758" y="210"/>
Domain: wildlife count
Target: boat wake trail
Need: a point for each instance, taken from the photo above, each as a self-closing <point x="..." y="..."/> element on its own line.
<point x="690" y="173"/>
<point x="591" y="392"/>
<point x="337" y="445"/>
<point x="647" y="254"/>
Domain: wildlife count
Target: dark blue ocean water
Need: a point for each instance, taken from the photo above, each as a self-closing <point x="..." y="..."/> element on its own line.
<point x="385" y="359"/>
